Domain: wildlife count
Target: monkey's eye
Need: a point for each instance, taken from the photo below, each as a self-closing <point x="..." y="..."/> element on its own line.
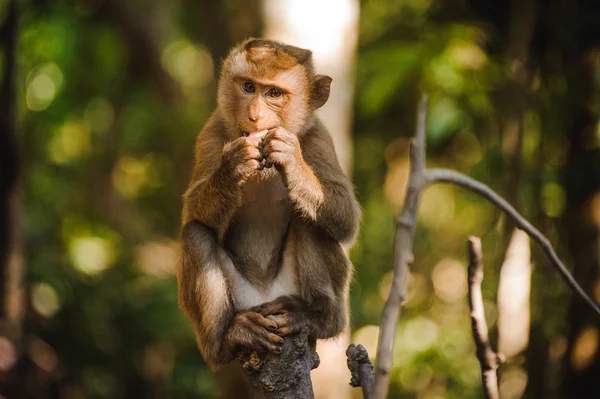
<point x="275" y="92"/>
<point x="248" y="87"/>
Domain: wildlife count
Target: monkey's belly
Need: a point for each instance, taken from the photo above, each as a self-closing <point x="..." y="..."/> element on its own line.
<point x="259" y="243"/>
<point x="247" y="295"/>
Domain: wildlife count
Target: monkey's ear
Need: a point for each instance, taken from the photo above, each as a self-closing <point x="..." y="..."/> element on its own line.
<point x="320" y="91"/>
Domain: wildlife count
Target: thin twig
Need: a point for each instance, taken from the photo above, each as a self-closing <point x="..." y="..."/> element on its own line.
<point x="450" y="176"/>
<point x="361" y="369"/>
<point x="403" y="256"/>
<point x="488" y="359"/>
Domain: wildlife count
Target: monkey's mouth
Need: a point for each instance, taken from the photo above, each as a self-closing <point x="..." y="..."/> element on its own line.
<point x="260" y="133"/>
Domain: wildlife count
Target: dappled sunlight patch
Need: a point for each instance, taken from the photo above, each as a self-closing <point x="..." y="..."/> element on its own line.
<point x="437" y="206"/>
<point x="372" y="304"/>
<point x="396" y="180"/>
<point x="420" y="334"/>
<point x="466" y="55"/>
<point x="157" y="360"/>
<point x="435" y="391"/>
<point x="129" y="176"/>
<point x="367" y="336"/>
<point x="417" y="290"/>
<point x="189" y="64"/>
<point x="513" y="383"/>
<point x="133" y="177"/>
<point x="553" y="199"/>
<point x="99" y="115"/>
<point x="70" y="142"/>
<point x="457" y="342"/>
<point x="91" y="255"/>
<point x="42" y="354"/>
<point x="585" y="348"/>
<point x="43" y="84"/>
<point x="443" y="74"/>
<point x="595" y="212"/>
<point x="99" y="382"/>
<point x="44" y="299"/>
<point x="9" y="354"/>
<point x="158" y="258"/>
<point x="385" y="285"/>
<point x="558" y="348"/>
<point x="490" y="310"/>
<point x="449" y="280"/>
<point x="466" y="149"/>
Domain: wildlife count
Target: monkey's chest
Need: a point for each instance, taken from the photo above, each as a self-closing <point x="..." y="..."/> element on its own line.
<point x="256" y="238"/>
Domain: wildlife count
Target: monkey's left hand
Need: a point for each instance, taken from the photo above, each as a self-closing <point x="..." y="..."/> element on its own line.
<point x="287" y="312"/>
<point x="282" y="149"/>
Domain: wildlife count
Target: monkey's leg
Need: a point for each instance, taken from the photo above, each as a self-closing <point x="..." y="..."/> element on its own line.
<point x="206" y="279"/>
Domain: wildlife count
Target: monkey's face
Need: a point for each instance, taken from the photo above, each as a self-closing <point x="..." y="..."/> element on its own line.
<point x="263" y="88"/>
<point x="265" y="104"/>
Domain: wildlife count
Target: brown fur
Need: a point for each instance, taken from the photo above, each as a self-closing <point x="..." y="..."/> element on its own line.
<point x="253" y="234"/>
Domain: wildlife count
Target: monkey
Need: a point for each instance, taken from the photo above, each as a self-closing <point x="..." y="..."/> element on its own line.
<point x="268" y="217"/>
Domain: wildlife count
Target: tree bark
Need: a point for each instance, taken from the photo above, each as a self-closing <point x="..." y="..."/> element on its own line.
<point x="284" y="376"/>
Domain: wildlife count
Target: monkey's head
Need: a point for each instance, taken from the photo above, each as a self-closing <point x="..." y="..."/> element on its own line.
<point x="266" y="84"/>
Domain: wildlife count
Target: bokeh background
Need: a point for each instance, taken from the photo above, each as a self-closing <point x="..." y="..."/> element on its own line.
<point x="101" y="101"/>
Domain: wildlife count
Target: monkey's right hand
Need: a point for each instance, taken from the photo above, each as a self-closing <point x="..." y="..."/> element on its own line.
<point x="243" y="157"/>
<point x="254" y="331"/>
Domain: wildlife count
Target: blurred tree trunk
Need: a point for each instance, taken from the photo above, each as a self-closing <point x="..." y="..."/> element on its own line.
<point x="330" y="30"/>
<point x="513" y="295"/>
<point x="219" y="25"/>
<point x="11" y="263"/>
<point x="581" y="220"/>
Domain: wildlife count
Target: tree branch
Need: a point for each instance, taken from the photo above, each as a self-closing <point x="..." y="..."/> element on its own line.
<point x="403" y="256"/>
<point x="488" y="359"/>
<point x="361" y="369"/>
<point x="450" y="176"/>
<point x="283" y="376"/>
<point x="420" y="178"/>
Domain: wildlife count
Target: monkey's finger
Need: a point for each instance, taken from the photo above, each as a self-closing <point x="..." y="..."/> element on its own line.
<point x="275" y="307"/>
<point x="252" y="153"/>
<point x="276" y="349"/>
<point x="289" y="330"/>
<point x="254" y="140"/>
<point x="273" y="339"/>
<point x="270" y="325"/>
<point x="267" y="339"/>
<point x="276" y="146"/>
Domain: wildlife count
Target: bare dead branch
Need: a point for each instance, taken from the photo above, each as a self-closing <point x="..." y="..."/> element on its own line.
<point x="419" y="178"/>
<point x="403" y="256"/>
<point x="488" y="359"/>
<point x="361" y="369"/>
<point x="450" y="176"/>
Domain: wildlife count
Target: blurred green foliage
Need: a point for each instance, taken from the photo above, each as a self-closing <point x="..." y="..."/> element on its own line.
<point x="110" y="98"/>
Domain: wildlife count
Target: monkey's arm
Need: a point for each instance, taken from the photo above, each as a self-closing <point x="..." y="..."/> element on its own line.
<point x="317" y="186"/>
<point x="220" y="169"/>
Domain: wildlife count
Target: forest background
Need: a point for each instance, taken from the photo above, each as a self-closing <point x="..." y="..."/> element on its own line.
<point x="100" y="104"/>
